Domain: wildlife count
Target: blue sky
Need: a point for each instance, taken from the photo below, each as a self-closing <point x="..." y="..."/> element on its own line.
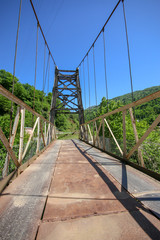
<point x="70" y="27"/>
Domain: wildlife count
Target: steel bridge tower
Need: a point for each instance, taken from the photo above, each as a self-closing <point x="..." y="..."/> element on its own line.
<point x="67" y="89"/>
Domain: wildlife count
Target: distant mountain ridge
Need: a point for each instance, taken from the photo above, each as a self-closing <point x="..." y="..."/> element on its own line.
<point x="148" y="111"/>
<point x="127" y="98"/>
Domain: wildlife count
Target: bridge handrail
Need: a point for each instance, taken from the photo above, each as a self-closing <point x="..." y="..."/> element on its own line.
<point x="16" y="100"/>
<point x="44" y="133"/>
<point x="92" y="137"/>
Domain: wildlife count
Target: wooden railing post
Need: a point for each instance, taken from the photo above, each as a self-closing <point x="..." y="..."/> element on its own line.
<point x="124" y="134"/>
<point x="38" y="136"/>
<point x="96" y="141"/>
<point x="45" y="130"/>
<point x="49" y="133"/>
<point x="46" y="140"/>
<point x="97" y="137"/>
<point x="87" y="134"/>
<point x="14" y="130"/>
<point x="103" y="130"/>
<point x="93" y="134"/>
<point x="84" y="128"/>
<point x="54" y="132"/>
<point x="43" y="138"/>
<point x="21" y="134"/>
<point x="90" y="133"/>
<point x="140" y="157"/>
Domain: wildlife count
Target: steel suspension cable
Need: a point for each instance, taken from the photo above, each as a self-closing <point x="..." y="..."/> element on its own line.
<point x="88" y="80"/>
<point x="46" y="70"/>
<point x="95" y="75"/>
<point x="42" y="31"/>
<point x="43" y="76"/>
<point x="48" y="74"/>
<point x="15" y="56"/>
<point x="14" y="65"/>
<point x="80" y="76"/>
<point x="84" y="85"/>
<point x="105" y="70"/>
<point x="129" y="59"/>
<point x="48" y="81"/>
<point x="35" y="67"/>
<point x="44" y="65"/>
<point x="101" y="31"/>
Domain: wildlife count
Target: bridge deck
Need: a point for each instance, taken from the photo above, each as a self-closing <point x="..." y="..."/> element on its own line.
<point x="140" y="185"/>
<point x="81" y="201"/>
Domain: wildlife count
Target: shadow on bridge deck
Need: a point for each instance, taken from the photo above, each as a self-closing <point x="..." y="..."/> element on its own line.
<point x="82" y="200"/>
<point x="140" y="185"/>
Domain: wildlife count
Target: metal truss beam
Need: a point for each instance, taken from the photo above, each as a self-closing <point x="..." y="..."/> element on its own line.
<point x="67" y="88"/>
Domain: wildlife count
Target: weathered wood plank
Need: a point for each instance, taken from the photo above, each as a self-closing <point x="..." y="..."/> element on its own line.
<point x="43" y="138"/>
<point x="93" y="133"/>
<point x="96" y="132"/>
<point x="44" y="130"/>
<point x="103" y="131"/>
<point x="140" y="157"/>
<point x="81" y="132"/>
<point x="12" y="138"/>
<point x="99" y="131"/>
<point x="38" y="136"/>
<point x="47" y="134"/>
<point x="87" y="133"/>
<point x="124" y="134"/>
<point x="90" y="132"/>
<point x="21" y="135"/>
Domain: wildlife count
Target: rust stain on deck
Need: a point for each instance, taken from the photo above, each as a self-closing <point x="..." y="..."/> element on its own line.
<point x="86" y="202"/>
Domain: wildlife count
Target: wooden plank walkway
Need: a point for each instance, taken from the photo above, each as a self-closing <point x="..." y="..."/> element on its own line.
<point x="74" y="198"/>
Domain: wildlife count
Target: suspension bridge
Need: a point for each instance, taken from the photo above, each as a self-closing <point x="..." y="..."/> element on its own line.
<point x="94" y="187"/>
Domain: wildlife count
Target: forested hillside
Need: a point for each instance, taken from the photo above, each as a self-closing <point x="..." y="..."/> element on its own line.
<point x="147" y="111"/>
<point x="125" y="99"/>
<point x="145" y="114"/>
<point x="42" y="104"/>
